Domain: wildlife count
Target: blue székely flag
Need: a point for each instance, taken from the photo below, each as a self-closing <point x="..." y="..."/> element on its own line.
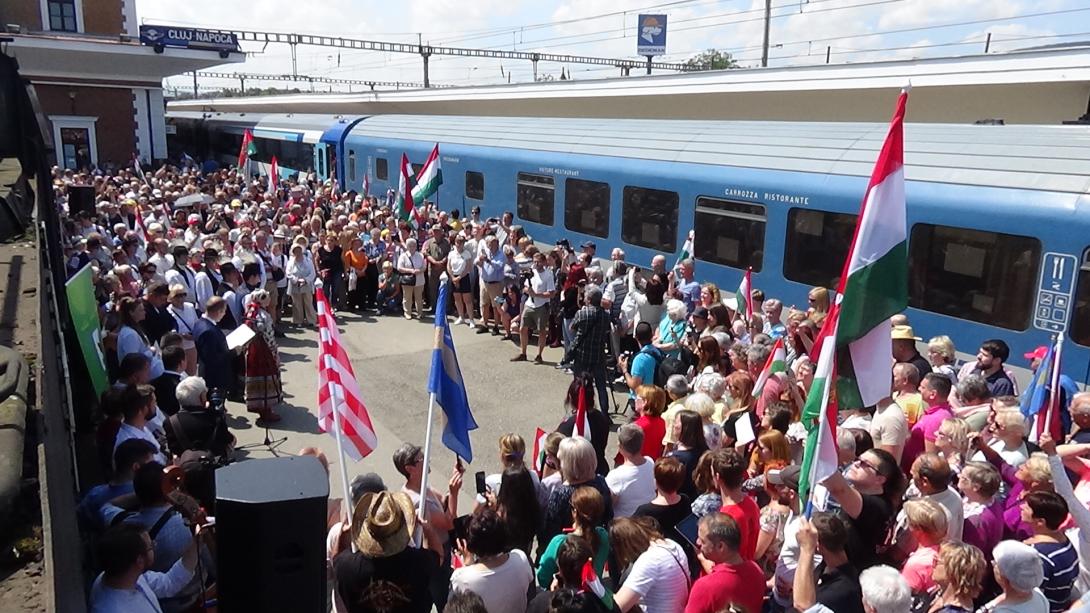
<point x="1035" y="396"/>
<point x="445" y="381"/>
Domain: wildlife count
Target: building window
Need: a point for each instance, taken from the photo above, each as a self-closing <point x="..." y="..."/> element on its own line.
<point x="351" y="165"/>
<point x="62" y="15"/>
<point x="586" y="207"/>
<point x="817" y="243"/>
<point x="382" y="171"/>
<point x="972" y="274"/>
<point x="536" y="194"/>
<point x="74" y="137"/>
<point x="729" y="233"/>
<point x="1080" y="320"/>
<point x="474" y="185"/>
<point x="649" y="218"/>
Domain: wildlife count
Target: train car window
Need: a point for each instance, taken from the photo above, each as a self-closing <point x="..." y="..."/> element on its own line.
<point x="474" y="185"/>
<point x="815" y="246"/>
<point x="975" y="275"/>
<point x="536" y="194"/>
<point x="351" y="170"/>
<point x="1080" y="320"/>
<point x="382" y="171"/>
<point x="729" y="233"/>
<point x="649" y="218"/>
<point x="586" y="207"/>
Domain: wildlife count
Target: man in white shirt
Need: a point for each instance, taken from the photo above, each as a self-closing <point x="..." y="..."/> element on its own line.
<point x="138" y="410"/>
<point x="125" y="584"/>
<point x="633" y="482"/>
<point x="539" y="289"/>
<point x="889" y="428"/>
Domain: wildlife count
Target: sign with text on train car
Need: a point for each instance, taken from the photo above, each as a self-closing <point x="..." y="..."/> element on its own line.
<point x="188" y="38"/>
<point x="651" y="35"/>
<point x="1054" y="292"/>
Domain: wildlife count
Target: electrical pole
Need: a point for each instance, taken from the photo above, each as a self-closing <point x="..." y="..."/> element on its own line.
<point x="649" y="59"/>
<point x="768" y="24"/>
<point x="194" y="83"/>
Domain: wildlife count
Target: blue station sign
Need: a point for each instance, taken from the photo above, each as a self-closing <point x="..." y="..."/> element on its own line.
<point x="651" y="35"/>
<point x="188" y="38"/>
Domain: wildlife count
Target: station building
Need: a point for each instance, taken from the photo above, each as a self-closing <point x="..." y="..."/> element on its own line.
<point x="99" y="88"/>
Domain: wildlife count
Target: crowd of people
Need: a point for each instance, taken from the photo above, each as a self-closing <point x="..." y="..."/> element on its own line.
<point x="941" y="503"/>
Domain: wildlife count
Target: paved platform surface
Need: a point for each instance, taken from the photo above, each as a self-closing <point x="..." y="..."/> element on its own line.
<point x="391" y="357"/>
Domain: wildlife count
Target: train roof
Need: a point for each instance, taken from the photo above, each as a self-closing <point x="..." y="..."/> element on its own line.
<point x="1031" y="157"/>
<point x="310" y="125"/>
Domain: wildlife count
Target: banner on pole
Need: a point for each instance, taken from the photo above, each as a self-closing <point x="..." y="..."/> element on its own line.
<point x="83" y="310"/>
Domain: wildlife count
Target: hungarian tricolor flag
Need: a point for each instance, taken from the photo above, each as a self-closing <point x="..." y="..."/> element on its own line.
<point x="777" y="362"/>
<point x="404" y="204"/>
<point x="274" y="175"/>
<point x="874" y="283"/>
<point x="744" y="296"/>
<point x="581" y="428"/>
<point x="539" y="450"/>
<point x="367" y="184"/>
<point x="430" y="178"/>
<point x="819" y="459"/>
<point x="247" y="149"/>
<point x="340" y="405"/>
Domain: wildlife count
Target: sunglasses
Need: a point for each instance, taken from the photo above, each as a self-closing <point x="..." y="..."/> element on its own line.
<point x="865" y="464"/>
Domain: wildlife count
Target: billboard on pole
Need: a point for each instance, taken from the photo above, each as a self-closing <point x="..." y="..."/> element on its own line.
<point x="651" y="35"/>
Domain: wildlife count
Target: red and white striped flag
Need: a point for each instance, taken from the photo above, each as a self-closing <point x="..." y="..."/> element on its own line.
<point x="338" y="390"/>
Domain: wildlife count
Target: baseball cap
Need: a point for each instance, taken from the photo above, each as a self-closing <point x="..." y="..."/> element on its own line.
<point x="700" y="312"/>
<point x="589" y="245"/>
<point x="787" y="476"/>
<point x="1037" y="354"/>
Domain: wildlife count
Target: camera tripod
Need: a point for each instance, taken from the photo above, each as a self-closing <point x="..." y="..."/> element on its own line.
<point x="270" y="444"/>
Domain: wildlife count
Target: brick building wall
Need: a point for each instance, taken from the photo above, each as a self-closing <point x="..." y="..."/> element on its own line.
<point x="115" y="128"/>
<point x="26" y="13"/>
<point x="102" y="17"/>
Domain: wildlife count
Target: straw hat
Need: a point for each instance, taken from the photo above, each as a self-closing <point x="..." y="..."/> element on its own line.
<point x="904" y="333"/>
<point x="383" y="523"/>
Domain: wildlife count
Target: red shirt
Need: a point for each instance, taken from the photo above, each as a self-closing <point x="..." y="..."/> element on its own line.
<point x="654" y="430"/>
<point x="748" y="517"/>
<point x="738" y="583"/>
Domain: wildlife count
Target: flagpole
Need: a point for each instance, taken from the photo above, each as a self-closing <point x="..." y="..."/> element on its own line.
<point x="427" y="458"/>
<point x="1054" y="394"/>
<point x="335" y="398"/>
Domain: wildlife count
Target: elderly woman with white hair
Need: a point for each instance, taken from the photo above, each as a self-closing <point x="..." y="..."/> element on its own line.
<point x="410" y="265"/>
<point x="1018" y="571"/>
<point x="301" y="275"/>
<point x="671" y="330"/>
<point x="578" y="466"/>
<point x="264" y="390"/>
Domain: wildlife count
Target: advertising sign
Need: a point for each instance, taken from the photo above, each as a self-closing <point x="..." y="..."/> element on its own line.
<point x="651" y="35"/>
<point x="188" y="38"/>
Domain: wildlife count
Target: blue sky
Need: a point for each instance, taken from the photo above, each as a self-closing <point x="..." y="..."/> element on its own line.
<point x="802" y="30"/>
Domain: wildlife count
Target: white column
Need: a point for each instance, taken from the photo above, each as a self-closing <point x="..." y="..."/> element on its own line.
<point x="140" y="117"/>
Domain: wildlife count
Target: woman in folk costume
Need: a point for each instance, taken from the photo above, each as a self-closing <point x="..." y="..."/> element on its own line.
<point x="263" y="387"/>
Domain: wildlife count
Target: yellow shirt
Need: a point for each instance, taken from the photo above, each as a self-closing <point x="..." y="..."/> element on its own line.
<point x="911" y="404"/>
<point x="668" y="416"/>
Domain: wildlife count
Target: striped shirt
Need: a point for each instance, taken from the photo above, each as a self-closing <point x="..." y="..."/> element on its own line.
<point x="1061" y="566"/>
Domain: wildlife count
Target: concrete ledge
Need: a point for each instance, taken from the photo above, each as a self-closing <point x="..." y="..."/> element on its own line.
<point x="14" y="380"/>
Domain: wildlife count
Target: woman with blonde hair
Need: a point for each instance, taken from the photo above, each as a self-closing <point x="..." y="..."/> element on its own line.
<point x="658" y="570"/>
<point x="703" y="405"/>
<point x="709" y="295"/>
<point x="513" y="455"/>
<point x="578" y="463"/>
<point x="959" y="574"/>
<point x="952" y="441"/>
<point x="940" y="352"/>
<point x="740" y="389"/>
<point x="927" y="522"/>
<point x="818" y="299"/>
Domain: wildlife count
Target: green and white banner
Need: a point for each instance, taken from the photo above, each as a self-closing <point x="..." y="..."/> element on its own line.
<point x="84" y="311"/>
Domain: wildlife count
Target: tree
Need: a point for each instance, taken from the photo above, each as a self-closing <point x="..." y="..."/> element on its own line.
<point x="712" y="59"/>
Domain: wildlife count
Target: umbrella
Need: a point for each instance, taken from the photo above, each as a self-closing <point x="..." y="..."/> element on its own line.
<point x="192" y="200"/>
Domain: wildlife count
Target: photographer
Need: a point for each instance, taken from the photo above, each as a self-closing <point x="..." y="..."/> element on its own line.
<point x="539" y="286"/>
<point x="198" y="425"/>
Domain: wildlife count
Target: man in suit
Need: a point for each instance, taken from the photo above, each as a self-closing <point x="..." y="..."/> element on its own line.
<point x="158" y="320"/>
<point x="166" y="383"/>
<point x="215" y="359"/>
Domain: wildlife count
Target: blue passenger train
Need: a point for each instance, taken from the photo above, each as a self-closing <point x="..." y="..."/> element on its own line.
<point x="999" y="216"/>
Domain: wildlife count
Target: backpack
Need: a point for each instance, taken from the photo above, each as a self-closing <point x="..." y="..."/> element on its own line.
<point x="665" y="365"/>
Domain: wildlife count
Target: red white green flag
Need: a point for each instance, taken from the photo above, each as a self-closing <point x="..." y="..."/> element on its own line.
<point x="539" y="450"/>
<point x="874" y="284"/>
<point x="819" y="458"/>
<point x="274" y="175"/>
<point x="247" y="149"/>
<point x="430" y="177"/>
<point x="404" y="205"/>
<point x="744" y="296"/>
<point x="777" y="362"/>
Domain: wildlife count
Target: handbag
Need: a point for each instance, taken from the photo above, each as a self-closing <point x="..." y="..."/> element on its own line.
<point x="409" y="279"/>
